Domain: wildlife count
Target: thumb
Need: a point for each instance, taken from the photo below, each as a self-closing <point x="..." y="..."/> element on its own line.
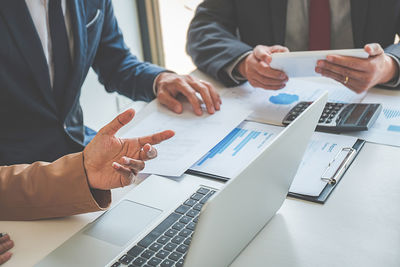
<point x="373" y="49"/>
<point x="117" y="123"/>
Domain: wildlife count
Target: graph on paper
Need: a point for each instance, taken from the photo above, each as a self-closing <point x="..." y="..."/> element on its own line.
<point x="234" y="152"/>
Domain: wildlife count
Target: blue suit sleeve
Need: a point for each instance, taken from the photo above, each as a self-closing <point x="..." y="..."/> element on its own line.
<point x="117" y="68"/>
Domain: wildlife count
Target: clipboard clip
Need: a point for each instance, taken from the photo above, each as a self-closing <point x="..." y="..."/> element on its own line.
<point x="351" y="152"/>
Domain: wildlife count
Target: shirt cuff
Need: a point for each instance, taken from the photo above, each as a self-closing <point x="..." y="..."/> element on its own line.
<point x="396" y="81"/>
<point x="229" y="69"/>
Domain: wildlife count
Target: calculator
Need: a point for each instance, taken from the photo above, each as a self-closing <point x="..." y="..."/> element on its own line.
<point x="340" y="117"/>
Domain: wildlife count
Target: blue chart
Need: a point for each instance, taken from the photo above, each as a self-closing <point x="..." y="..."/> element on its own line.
<point x="237" y="149"/>
<point x="284" y="99"/>
<point x="238" y="135"/>
<point x="391" y="113"/>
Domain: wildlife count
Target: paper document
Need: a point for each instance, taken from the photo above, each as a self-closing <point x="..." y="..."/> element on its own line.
<point x="240" y="147"/>
<point x="235" y="151"/>
<point x="271" y="106"/>
<point x="194" y="135"/>
<point x="303" y="63"/>
<point x="386" y="129"/>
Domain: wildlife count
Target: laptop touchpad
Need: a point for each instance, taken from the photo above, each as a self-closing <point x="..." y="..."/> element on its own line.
<point x="122" y="223"/>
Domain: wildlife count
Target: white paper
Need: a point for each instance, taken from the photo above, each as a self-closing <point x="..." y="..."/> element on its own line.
<point x="194" y="135"/>
<point x="386" y="129"/>
<point x="303" y="63"/>
<point x="322" y="150"/>
<point x="236" y="152"/>
<point x="271" y="106"/>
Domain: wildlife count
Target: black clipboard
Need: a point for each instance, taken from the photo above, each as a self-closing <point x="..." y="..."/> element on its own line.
<point x="331" y="182"/>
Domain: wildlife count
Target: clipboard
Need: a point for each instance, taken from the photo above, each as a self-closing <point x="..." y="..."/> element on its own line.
<point x="340" y="168"/>
<point x="332" y="180"/>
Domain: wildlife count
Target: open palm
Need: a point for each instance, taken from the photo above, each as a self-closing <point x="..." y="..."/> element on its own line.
<point x="112" y="162"/>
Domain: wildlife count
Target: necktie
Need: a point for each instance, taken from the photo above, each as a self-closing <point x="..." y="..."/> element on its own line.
<point x="61" y="52"/>
<point x="319" y="25"/>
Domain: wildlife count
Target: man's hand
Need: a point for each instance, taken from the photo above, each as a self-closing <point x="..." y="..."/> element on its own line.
<point x="112" y="162"/>
<point x="255" y="68"/>
<point x="170" y="85"/>
<point x="360" y="74"/>
<point x="5" y="245"/>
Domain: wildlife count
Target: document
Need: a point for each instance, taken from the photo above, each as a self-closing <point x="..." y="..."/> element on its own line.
<point x="386" y="129"/>
<point x="303" y="63"/>
<point x="239" y="148"/>
<point x="236" y="150"/>
<point x="271" y="106"/>
<point x="194" y="135"/>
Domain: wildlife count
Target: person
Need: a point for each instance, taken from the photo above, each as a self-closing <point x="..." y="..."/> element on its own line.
<point x="5" y="245"/>
<point x="233" y="40"/>
<point x="46" y="50"/>
<point x="79" y="182"/>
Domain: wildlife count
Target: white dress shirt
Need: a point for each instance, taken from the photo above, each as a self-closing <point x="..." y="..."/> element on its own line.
<point x="39" y="10"/>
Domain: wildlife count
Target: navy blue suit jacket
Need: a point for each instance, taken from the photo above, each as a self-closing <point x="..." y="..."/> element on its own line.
<point x="222" y="30"/>
<point x="32" y="126"/>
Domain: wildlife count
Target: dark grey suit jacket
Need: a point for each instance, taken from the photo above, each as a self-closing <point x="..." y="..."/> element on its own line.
<point x="222" y="30"/>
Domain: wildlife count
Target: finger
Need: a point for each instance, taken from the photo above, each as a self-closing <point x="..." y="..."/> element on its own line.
<point x="214" y="95"/>
<point x="116" y="124"/>
<point x="279" y="49"/>
<point x="351" y="84"/>
<point x="5" y="257"/>
<point x="205" y="95"/>
<point x="374" y="49"/>
<point x="126" y="174"/>
<point x="4" y="238"/>
<point x="262" y="53"/>
<point x="190" y="94"/>
<point x="148" y="152"/>
<point x="5" y="246"/>
<point x="134" y="165"/>
<point x="169" y="101"/>
<point x="258" y="84"/>
<point x="267" y="81"/>
<point x="267" y="71"/>
<point x="156" y="138"/>
<point x="359" y="64"/>
<point x="354" y="74"/>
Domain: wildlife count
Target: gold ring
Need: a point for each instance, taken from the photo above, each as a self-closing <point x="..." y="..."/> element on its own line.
<point x="346" y="80"/>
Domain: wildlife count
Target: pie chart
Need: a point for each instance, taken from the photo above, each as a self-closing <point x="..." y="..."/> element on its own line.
<point x="284" y="99"/>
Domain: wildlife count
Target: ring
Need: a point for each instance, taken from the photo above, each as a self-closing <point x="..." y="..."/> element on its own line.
<point x="346" y="80"/>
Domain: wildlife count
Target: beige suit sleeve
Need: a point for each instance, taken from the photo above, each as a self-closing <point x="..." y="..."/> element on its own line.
<point x="47" y="190"/>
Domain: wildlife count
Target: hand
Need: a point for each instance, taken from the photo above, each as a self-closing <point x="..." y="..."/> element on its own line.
<point x="5" y="245"/>
<point x="170" y="85"/>
<point x="112" y="162"/>
<point x="360" y="74"/>
<point x="255" y="68"/>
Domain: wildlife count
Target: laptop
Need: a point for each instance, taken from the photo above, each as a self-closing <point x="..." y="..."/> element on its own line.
<point x="193" y="221"/>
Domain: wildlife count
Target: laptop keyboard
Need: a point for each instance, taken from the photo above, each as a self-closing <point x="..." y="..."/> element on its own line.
<point x="166" y="245"/>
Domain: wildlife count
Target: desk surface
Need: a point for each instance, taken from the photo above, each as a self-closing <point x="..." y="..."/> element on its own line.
<point x="358" y="226"/>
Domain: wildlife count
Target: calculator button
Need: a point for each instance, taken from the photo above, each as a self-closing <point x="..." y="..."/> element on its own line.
<point x="328" y="121"/>
<point x="321" y="120"/>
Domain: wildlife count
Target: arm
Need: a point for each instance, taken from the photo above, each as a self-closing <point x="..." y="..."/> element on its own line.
<point x="117" y="68"/>
<point x="212" y="40"/>
<point x="80" y="182"/>
<point x="45" y="190"/>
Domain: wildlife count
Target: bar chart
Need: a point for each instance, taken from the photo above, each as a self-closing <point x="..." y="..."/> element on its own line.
<point x="237" y="149"/>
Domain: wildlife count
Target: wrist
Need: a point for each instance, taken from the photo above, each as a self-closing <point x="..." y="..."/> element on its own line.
<point x="241" y="67"/>
<point x="390" y="71"/>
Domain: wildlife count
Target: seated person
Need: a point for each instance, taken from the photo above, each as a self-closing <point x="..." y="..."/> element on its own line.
<point x="46" y="50"/>
<point x="79" y="182"/>
<point x="233" y="40"/>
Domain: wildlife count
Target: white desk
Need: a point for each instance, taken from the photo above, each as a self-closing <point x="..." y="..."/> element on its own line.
<point x="358" y="226"/>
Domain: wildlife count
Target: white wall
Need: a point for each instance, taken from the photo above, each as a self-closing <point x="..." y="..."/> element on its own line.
<point x="99" y="107"/>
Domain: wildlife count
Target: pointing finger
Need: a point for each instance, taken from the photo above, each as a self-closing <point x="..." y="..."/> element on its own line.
<point x="117" y="123"/>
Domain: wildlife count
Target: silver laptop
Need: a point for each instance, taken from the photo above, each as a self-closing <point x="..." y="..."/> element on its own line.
<point x="193" y="221"/>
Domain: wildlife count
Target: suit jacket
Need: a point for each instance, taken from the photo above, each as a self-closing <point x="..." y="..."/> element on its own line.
<point x="32" y="127"/>
<point x="47" y="190"/>
<point x="222" y="30"/>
